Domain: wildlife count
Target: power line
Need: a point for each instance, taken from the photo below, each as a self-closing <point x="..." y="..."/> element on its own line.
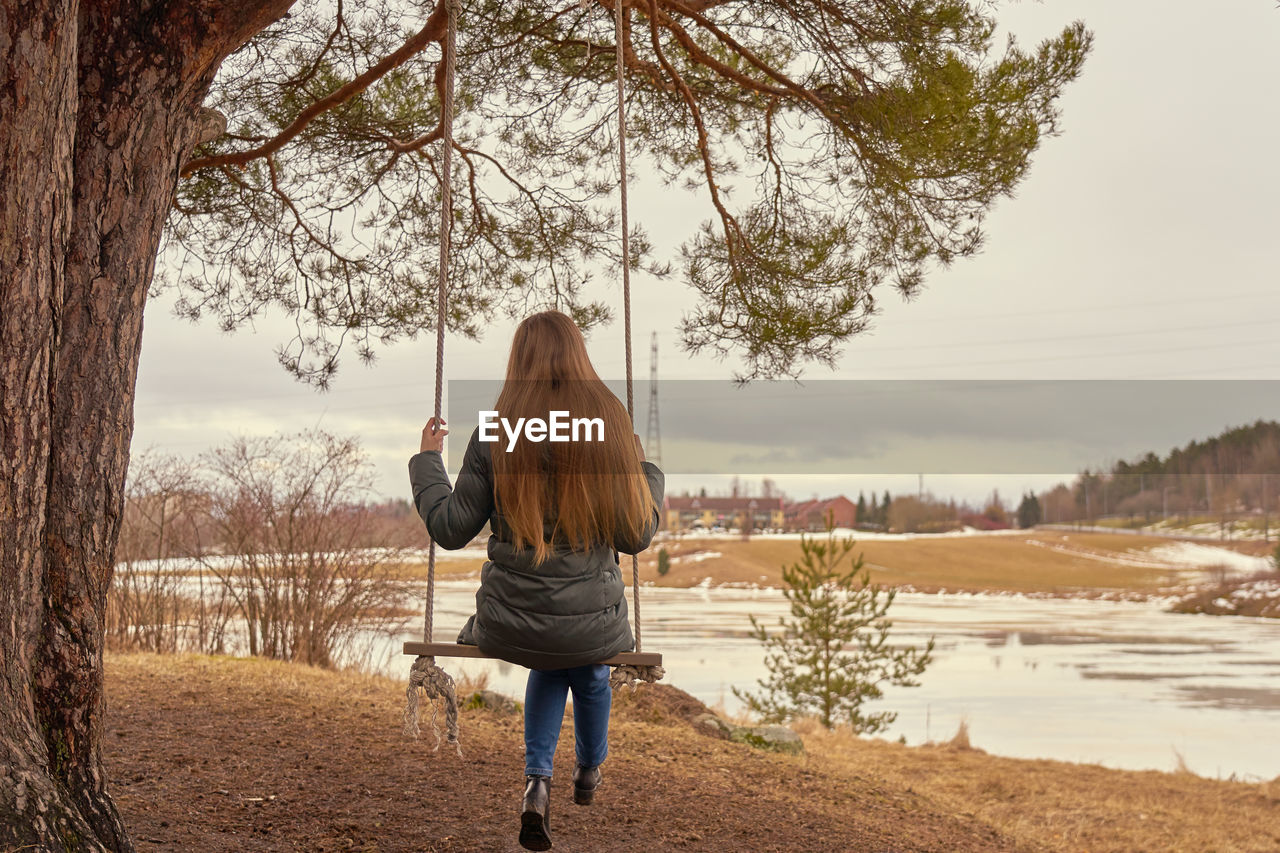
<point x="1095" y="309"/>
<point x="1077" y="356"/>
<point x="1084" y="337"/>
<point x="855" y="350"/>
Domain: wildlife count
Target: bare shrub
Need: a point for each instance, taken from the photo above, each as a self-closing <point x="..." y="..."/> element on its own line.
<point x="1257" y="594"/>
<point x="960" y="740"/>
<point x="909" y="514"/>
<point x="158" y="600"/>
<point x="293" y="517"/>
<point x="469" y="682"/>
<point x="1180" y="767"/>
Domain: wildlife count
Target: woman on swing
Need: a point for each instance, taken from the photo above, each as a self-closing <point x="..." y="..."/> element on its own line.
<point x="551" y="593"/>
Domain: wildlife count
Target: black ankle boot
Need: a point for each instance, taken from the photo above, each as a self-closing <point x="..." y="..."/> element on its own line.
<point x="585" y="782"/>
<point x="535" y="827"/>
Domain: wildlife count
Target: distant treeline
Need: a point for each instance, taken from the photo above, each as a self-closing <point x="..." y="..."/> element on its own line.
<point x="1231" y="475"/>
<point x="1236" y="472"/>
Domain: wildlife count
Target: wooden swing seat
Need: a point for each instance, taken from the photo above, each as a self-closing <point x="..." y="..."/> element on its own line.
<point x="457" y="650"/>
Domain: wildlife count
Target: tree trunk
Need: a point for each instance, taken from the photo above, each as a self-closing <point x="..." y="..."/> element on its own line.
<point x="99" y="107"/>
<point x="37" y="134"/>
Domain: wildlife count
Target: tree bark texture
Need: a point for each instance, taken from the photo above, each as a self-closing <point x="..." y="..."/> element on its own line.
<point x="99" y="106"/>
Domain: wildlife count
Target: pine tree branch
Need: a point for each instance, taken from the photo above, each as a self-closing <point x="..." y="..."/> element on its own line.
<point x="432" y="31"/>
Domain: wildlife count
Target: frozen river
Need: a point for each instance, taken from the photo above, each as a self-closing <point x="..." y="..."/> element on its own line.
<point x="1122" y="684"/>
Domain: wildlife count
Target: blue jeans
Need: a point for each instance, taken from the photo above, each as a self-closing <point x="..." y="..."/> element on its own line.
<point x="544" y="698"/>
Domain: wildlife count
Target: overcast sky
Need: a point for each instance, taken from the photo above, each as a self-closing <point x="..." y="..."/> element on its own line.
<point x="1143" y="245"/>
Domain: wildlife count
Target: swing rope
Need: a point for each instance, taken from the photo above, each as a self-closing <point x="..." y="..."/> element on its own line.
<point x="425" y="676"/>
<point x="627" y="674"/>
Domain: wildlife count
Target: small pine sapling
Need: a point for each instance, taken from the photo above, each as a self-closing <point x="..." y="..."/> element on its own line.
<point x="833" y="654"/>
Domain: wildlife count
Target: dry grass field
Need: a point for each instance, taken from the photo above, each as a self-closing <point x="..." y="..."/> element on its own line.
<point x="1043" y="561"/>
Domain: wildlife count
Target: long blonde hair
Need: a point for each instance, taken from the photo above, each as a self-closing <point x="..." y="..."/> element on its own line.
<point x="589" y="491"/>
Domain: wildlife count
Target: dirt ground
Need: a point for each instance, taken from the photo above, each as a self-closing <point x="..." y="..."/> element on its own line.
<point x="221" y="754"/>
<point x="216" y="754"/>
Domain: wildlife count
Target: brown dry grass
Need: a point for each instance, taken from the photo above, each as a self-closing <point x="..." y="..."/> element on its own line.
<point x="1044" y="562"/>
<point x="1064" y="806"/>
<point x="451" y="568"/>
<point x="218" y="754"/>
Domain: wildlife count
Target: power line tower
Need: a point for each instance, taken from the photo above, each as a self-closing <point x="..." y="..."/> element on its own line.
<point x="653" y="435"/>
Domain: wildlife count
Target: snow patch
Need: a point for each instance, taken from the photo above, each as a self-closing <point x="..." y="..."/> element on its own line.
<point x="1196" y="555"/>
<point x="696" y="557"/>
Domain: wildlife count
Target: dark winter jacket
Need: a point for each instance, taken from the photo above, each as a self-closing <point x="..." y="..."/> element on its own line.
<point x="569" y="611"/>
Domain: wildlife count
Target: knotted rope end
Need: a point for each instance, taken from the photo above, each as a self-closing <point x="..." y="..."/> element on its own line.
<point x="630" y="675"/>
<point x="429" y="680"/>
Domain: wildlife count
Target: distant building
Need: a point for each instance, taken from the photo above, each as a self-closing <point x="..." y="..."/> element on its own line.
<point x="812" y="515"/>
<point x="686" y="512"/>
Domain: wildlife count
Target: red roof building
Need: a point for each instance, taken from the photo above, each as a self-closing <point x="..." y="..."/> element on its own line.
<point x="812" y="515"/>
